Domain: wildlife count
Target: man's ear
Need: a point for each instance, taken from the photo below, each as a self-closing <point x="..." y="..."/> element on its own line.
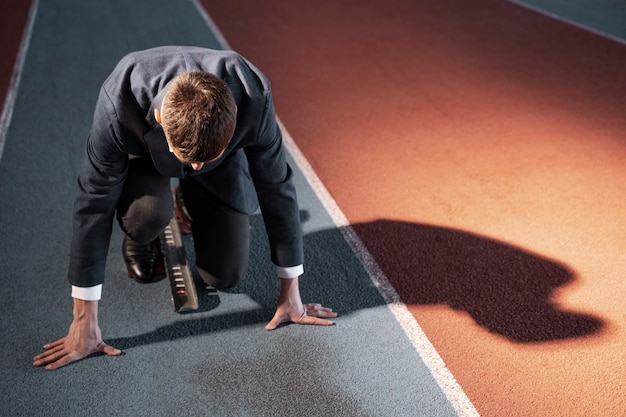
<point x="157" y="116"/>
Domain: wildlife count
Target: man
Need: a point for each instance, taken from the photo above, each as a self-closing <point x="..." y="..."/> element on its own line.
<point x="207" y="118"/>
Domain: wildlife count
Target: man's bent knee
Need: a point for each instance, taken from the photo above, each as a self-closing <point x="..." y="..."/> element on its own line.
<point x="223" y="281"/>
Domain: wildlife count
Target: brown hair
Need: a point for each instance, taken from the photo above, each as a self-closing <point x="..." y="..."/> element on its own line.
<point x="199" y="115"/>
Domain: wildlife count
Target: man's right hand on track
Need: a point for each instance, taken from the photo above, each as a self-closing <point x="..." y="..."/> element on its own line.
<point x="83" y="339"/>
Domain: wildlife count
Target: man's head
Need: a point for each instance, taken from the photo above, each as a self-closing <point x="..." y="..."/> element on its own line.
<point x="198" y="115"/>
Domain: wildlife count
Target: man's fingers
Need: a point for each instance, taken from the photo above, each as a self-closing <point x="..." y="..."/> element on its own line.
<point x="52" y="358"/>
<point x="302" y="320"/>
<point x="57" y="355"/>
<point x="64" y="360"/>
<point x="54" y="344"/>
<point x="317" y="310"/>
<point x="68" y="358"/>
<point x="316" y="321"/>
<point x="313" y="314"/>
<point x="48" y="356"/>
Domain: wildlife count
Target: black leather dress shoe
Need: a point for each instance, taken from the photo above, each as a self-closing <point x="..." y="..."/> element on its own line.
<point x="142" y="261"/>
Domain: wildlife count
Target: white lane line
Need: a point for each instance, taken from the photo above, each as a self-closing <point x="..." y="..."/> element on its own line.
<point x="427" y="352"/>
<point x="9" y="101"/>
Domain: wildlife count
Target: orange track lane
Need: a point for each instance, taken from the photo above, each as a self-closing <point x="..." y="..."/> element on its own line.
<point x="479" y="150"/>
<point x="12" y="21"/>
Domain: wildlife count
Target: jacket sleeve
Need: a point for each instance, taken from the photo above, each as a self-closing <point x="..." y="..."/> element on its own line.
<point x="273" y="181"/>
<point x="100" y="182"/>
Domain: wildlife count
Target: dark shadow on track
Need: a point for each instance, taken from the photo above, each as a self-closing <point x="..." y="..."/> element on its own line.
<point x="505" y="289"/>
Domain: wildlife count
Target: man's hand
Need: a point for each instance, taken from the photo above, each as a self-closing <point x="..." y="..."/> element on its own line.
<point x="290" y="308"/>
<point x="83" y="339"/>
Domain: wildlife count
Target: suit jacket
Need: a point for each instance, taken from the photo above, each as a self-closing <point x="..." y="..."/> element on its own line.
<point x="252" y="172"/>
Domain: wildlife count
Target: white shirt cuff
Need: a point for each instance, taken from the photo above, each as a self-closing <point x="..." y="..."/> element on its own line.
<point x="289" y="271"/>
<point x="87" y="293"/>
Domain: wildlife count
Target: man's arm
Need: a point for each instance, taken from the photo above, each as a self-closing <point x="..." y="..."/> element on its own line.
<point x="83" y="339"/>
<point x="273" y="181"/>
<point x="100" y="181"/>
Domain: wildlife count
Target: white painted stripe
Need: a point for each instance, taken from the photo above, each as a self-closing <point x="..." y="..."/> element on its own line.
<point x="442" y="375"/>
<point x="9" y="101"/>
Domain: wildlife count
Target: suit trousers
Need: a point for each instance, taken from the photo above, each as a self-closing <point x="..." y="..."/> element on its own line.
<point x="221" y="235"/>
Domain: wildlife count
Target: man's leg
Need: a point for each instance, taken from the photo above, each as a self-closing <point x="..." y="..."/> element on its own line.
<point x="145" y="209"/>
<point x="221" y="236"/>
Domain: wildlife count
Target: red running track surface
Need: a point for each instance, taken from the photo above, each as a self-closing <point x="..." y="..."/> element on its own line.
<point x="478" y="149"/>
<point x="12" y="22"/>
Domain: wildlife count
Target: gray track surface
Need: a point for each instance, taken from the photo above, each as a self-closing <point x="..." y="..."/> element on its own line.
<point x="218" y="361"/>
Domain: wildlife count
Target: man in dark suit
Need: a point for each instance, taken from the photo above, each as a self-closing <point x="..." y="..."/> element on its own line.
<point x="207" y="118"/>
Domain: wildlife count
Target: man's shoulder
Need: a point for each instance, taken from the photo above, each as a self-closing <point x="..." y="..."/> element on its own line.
<point x="165" y="62"/>
<point x="188" y="57"/>
<point x="152" y="69"/>
<point x="141" y="75"/>
<point x="178" y="52"/>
